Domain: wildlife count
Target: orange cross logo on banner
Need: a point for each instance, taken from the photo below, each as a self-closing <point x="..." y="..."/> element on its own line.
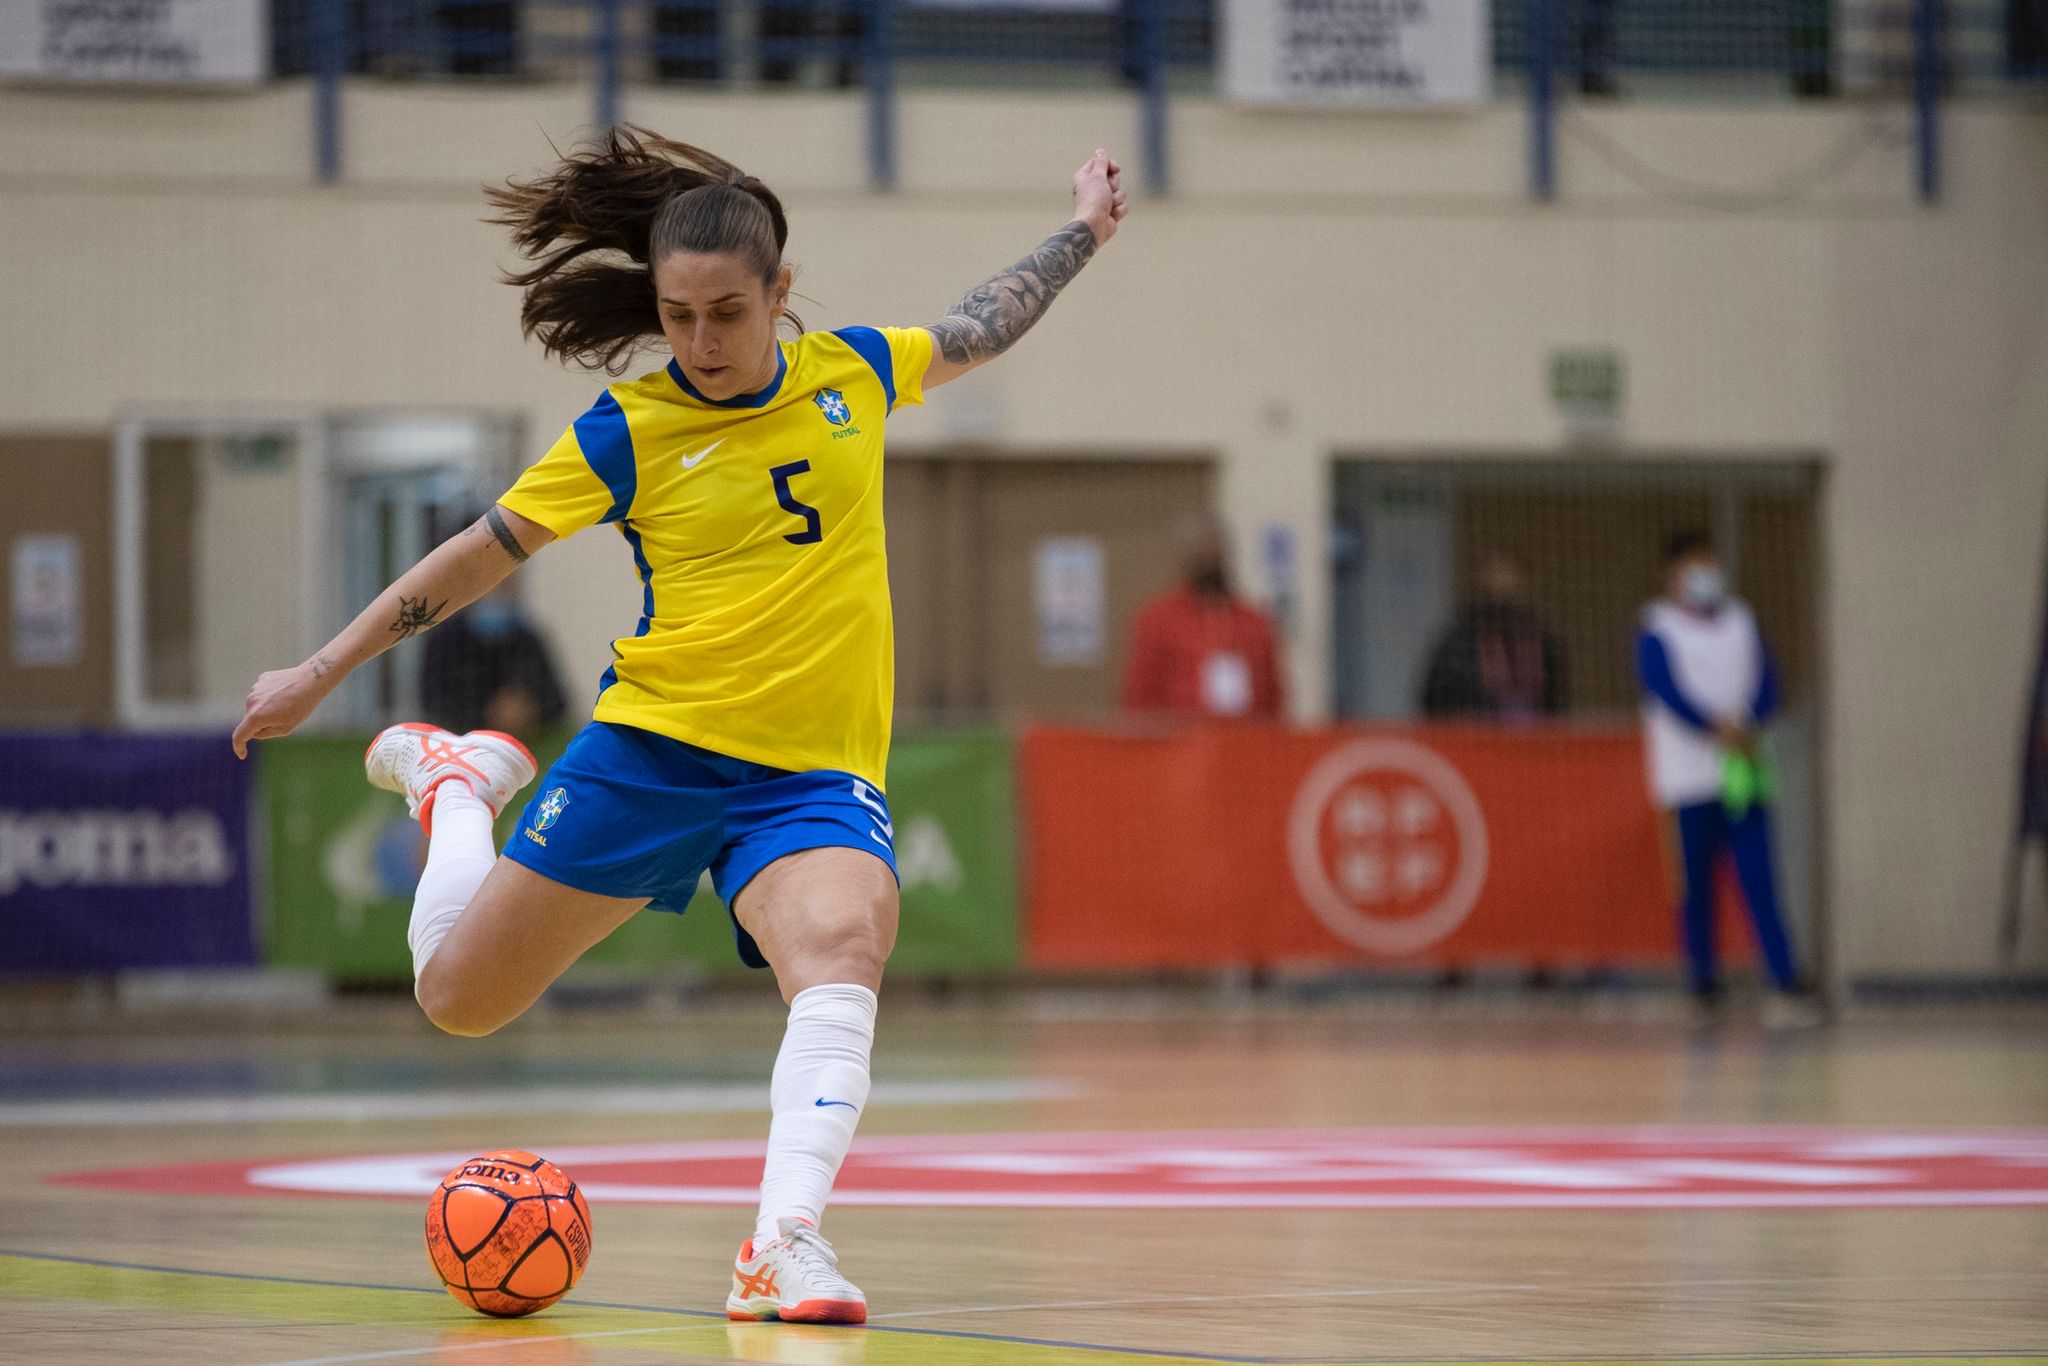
<point x="1388" y="845"/>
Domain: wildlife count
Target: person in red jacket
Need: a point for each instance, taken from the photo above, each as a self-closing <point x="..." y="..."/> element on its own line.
<point x="1199" y="650"/>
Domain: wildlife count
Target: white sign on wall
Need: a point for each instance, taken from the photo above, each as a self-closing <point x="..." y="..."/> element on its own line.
<point x="1373" y="53"/>
<point x="47" y="601"/>
<point x="173" y="42"/>
<point x="1067" y="590"/>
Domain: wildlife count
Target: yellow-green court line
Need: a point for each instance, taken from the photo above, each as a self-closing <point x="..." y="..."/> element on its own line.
<point x="25" y="1275"/>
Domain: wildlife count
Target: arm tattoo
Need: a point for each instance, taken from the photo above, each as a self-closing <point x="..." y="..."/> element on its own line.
<point x="322" y="666"/>
<point x="495" y="521"/>
<point x="1002" y="308"/>
<point x="415" y="616"/>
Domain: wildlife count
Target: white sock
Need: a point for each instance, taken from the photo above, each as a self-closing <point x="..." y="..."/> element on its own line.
<point x="819" y="1090"/>
<point x="459" y="853"/>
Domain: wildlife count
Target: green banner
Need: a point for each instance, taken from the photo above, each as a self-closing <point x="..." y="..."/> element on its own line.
<point x="956" y="851"/>
<point x="344" y="857"/>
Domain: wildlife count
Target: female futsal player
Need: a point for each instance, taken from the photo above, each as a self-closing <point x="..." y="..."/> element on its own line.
<point x="744" y="725"/>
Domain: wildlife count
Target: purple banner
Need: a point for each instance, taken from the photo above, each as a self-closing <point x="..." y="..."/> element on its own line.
<point x="123" y="852"/>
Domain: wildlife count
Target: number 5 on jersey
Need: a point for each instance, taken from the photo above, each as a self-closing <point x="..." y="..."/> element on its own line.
<point x="814" y="530"/>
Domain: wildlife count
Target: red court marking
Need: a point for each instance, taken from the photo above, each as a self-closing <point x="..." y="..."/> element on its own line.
<point x="1469" y="1168"/>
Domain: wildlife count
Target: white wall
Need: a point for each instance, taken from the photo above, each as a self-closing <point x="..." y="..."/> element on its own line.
<point x="1319" y="283"/>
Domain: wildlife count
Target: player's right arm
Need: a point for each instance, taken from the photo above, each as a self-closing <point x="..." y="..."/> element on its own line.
<point x="453" y="575"/>
<point x="990" y="318"/>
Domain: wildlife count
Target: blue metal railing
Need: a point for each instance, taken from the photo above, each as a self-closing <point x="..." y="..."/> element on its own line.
<point x="881" y="78"/>
<point x="1555" y="50"/>
<point x="1598" y="42"/>
<point x="1927" y="67"/>
<point x="1542" y="100"/>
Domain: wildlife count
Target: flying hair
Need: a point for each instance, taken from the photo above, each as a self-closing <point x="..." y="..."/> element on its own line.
<point x="595" y="224"/>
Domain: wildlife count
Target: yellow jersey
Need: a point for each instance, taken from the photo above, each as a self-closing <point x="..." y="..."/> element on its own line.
<point x="756" y="526"/>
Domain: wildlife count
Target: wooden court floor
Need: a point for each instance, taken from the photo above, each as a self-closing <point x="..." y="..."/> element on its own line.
<point x="1041" y="1184"/>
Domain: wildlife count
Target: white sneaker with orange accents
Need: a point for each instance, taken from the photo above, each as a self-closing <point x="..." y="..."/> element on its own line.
<point x="414" y="759"/>
<point x="795" y="1278"/>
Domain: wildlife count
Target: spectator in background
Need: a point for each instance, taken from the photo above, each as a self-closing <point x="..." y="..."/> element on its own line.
<point x="481" y="37"/>
<point x="686" y="40"/>
<point x="688" y="45"/>
<point x="1596" y="48"/>
<point x="1708" y="685"/>
<point x="1802" y="47"/>
<point x="794" y="29"/>
<point x="1497" y="659"/>
<point x="2026" y="38"/>
<point x="488" y="669"/>
<point x="1199" y="650"/>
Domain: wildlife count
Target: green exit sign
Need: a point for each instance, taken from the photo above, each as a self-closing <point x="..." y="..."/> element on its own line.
<point x="1587" y="381"/>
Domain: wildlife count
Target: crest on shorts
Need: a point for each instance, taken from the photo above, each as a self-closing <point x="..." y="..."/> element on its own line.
<point x="551" y="807"/>
<point x="832" y="404"/>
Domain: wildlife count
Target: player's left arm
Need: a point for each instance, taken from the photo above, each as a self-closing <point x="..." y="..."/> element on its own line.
<point x="1002" y="308"/>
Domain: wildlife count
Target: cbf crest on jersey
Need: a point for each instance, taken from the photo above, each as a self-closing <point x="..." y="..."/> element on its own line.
<point x="832" y="404"/>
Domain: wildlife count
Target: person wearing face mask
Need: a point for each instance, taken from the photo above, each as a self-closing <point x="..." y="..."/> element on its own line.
<point x="1198" y="650"/>
<point x="1497" y="660"/>
<point x="1709" y="684"/>
<point x="488" y="669"/>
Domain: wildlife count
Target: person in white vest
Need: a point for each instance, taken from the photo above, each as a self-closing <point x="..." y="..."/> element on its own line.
<point x="1708" y="686"/>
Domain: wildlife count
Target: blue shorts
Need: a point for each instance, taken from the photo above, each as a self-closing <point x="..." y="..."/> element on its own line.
<point x="626" y="812"/>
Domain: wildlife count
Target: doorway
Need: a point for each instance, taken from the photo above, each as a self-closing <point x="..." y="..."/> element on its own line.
<point x="1015" y="579"/>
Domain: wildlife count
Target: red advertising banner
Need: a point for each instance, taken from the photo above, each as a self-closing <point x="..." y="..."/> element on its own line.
<point x="1430" y="845"/>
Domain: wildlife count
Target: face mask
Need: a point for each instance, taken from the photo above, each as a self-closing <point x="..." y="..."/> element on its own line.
<point x="1703" y="587"/>
<point x="492" y="618"/>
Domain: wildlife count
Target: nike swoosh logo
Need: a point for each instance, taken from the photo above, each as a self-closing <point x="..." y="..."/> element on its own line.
<point x="847" y="1103"/>
<point x="690" y="462"/>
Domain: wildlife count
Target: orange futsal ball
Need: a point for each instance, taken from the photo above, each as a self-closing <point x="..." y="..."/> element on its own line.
<point x="508" y="1233"/>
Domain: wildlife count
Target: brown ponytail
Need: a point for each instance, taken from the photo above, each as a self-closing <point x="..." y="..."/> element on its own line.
<point x="641" y="196"/>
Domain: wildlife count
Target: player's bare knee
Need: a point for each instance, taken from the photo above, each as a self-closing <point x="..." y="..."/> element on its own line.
<point x="463" y="1024"/>
<point x="863" y="958"/>
<point x="855" y="944"/>
<point x="842" y="949"/>
<point x="447" y="1010"/>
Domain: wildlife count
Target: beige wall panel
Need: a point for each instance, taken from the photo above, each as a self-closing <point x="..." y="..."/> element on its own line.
<point x="1935" y="541"/>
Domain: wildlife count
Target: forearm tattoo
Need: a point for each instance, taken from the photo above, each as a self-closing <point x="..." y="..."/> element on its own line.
<point x="1002" y="308"/>
<point x="494" y="522"/>
<point x="415" y="616"/>
<point x="322" y="666"/>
